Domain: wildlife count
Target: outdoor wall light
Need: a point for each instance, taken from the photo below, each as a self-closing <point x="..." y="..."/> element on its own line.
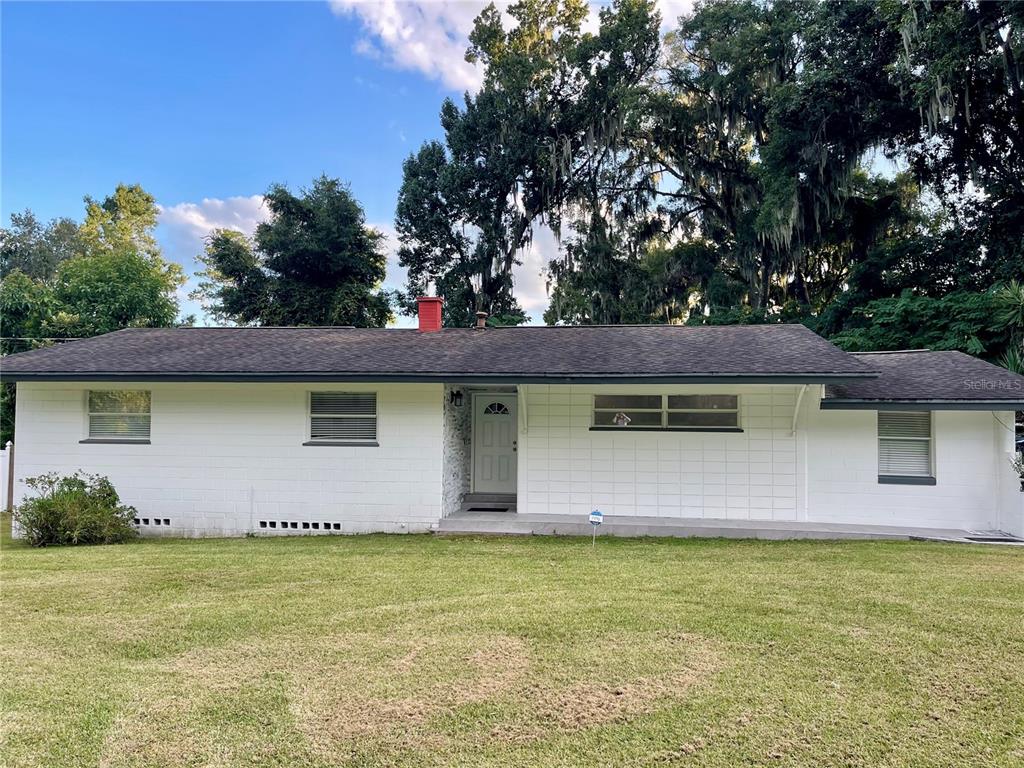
<point x="455" y="398"/>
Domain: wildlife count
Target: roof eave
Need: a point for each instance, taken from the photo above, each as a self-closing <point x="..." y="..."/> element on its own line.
<point x="865" y="404"/>
<point x="466" y="378"/>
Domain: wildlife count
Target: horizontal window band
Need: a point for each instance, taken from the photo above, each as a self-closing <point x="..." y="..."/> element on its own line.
<point x="905" y="480"/>
<point x="631" y="410"/>
<point x="345" y="443"/>
<point x="666" y="429"/>
<point x="667" y="410"/>
<point x="115" y="440"/>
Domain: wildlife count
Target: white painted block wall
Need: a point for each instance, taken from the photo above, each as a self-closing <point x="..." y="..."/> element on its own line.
<point x="224" y="456"/>
<point x="1009" y="485"/>
<point x="750" y="475"/>
<point x="826" y="472"/>
<point x="842" y="477"/>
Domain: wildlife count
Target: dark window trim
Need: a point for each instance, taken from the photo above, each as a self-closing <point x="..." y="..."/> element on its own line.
<point x="905" y="480"/>
<point x="114" y="438"/>
<point x="345" y="443"/>
<point x="665" y="412"/>
<point x="666" y="429"/>
<point x="114" y="441"/>
<point x="348" y="443"/>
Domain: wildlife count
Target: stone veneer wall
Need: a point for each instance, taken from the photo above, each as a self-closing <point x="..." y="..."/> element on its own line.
<point x="456" y="450"/>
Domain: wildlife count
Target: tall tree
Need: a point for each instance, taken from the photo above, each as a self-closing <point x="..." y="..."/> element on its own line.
<point x="315" y="262"/>
<point x="34" y="249"/>
<point x="25" y="306"/>
<point x="545" y="121"/>
<point x="735" y="143"/>
<point x="106" y="291"/>
<point x="740" y="189"/>
<point x="124" y="221"/>
<point x="70" y="281"/>
<point x="1009" y="299"/>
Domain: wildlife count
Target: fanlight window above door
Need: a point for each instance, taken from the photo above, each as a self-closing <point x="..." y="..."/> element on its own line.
<point x="496" y="409"/>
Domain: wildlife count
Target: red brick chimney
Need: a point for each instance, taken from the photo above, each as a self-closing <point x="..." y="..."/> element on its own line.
<point x="429" y="310"/>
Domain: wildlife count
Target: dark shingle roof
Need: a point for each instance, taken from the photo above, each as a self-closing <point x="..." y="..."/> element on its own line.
<point x="921" y="377"/>
<point x="514" y="354"/>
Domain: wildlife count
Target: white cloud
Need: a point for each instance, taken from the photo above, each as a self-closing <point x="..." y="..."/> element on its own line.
<point x="395" y="275"/>
<point x="426" y="37"/>
<point x="530" y="283"/>
<point x="195" y="221"/>
<point x="671" y="10"/>
<point x="431" y="36"/>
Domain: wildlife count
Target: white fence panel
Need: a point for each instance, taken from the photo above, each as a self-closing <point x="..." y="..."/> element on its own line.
<point x="5" y="480"/>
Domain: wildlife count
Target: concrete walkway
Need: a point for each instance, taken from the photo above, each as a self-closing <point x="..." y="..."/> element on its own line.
<point x="514" y="524"/>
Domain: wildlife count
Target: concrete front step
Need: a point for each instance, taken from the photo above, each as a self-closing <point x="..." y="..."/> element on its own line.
<point x="505" y="498"/>
<point x="502" y="503"/>
<point x="505" y="524"/>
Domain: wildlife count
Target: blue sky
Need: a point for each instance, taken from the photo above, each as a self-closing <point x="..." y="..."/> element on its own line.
<point x="206" y="104"/>
<point x="198" y="100"/>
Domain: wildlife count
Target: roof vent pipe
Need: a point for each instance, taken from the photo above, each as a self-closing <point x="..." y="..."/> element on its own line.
<point x="428" y="308"/>
<point x="481" y="320"/>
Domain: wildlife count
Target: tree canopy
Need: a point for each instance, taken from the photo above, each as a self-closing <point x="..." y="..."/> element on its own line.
<point x="68" y="280"/>
<point x="35" y="249"/>
<point x="855" y="166"/>
<point x="521" y="150"/>
<point x="315" y="262"/>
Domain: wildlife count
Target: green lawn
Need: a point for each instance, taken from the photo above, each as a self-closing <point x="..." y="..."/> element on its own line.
<point x="419" y="651"/>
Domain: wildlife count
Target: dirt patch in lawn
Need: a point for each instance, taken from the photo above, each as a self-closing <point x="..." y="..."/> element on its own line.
<point x="419" y="680"/>
<point x="501" y="691"/>
<point x="363" y="693"/>
<point x="586" y="704"/>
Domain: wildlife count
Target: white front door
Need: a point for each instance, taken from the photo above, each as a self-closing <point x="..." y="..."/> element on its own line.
<point x="494" y="443"/>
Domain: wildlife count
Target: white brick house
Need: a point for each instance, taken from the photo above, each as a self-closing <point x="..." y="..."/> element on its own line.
<point x="265" y="430"/>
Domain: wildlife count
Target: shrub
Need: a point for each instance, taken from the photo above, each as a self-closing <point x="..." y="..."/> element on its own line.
<point x="79" y="509"/>
<point x="1017" y="462"/>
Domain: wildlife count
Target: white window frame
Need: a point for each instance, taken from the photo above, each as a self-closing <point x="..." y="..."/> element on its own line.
<point x="665" y="411"/>
<point x="89" y="413"/>
<point x="894" y="479"/>
<point x="351" y="442"/>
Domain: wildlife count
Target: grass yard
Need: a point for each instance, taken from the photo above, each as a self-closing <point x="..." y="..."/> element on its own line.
<point x="418" y="651"/>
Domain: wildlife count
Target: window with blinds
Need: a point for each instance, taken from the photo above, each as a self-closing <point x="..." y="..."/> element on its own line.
<point x="119" y="415"/>
<point x="904" y="444"/>
<point x="346" y="417"/>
